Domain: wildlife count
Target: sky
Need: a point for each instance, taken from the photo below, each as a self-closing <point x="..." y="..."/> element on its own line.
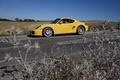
<point x="52" y="9"/>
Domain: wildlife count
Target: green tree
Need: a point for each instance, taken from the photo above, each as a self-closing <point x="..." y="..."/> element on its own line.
<point x="20" y="20"/>
<point x="16" y="19"/>
<point x="25" y="20"/>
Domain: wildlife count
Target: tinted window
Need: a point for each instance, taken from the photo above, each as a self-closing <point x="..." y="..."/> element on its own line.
<point x="67" y="21"/>
<point x="70" y="21"/>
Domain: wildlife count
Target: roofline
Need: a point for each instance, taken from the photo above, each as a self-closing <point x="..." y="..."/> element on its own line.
<point x="66" y="18"/>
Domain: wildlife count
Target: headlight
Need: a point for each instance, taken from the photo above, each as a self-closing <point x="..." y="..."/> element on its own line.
<point x="37" y="27"/>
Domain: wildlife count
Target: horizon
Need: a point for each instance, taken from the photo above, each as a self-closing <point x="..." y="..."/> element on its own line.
<point x="56" y="18"/>
<point x="49" y="10"/>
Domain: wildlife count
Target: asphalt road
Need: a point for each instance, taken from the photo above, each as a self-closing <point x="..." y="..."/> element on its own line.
<point x="53" y="46"/>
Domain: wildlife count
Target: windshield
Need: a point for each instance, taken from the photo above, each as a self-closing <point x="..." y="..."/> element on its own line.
<point x="55" y="21"/>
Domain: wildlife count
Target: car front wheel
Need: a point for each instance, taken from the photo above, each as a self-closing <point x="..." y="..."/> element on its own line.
<point x="80" y="30"/>
<point x="47" y="32"/>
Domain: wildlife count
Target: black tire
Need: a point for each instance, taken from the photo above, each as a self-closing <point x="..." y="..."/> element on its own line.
<point x="80" y="30"/>
<point x="47" y="32"/>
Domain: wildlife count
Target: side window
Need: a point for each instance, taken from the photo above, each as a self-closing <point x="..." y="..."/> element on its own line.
<point x="65" y="21"/>
<point x="70" y="21"/>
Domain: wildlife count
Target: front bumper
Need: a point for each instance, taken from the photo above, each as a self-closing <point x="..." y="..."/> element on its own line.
<point x="36" y="33"/>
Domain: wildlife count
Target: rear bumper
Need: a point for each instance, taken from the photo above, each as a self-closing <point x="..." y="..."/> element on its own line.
<point x="86" y="27"/>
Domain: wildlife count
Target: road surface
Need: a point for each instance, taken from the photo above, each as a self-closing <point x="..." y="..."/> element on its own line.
<point x="55" y="45"/>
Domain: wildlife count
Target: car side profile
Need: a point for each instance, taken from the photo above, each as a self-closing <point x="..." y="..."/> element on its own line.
<point x="60" y="26"/>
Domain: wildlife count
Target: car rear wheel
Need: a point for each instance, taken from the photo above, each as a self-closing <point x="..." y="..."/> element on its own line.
<point x="47" y="32"/>
<point x="80" y="30"/>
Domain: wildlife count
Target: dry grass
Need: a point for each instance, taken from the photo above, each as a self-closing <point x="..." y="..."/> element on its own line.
<point x="4" y="25"/>
<point x="26" y="26"/>
<point x="94" y="23"/>
<point x="98" y="24"/>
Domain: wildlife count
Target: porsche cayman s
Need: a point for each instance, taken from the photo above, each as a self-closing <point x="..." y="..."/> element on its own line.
<point x="60" y="26"/>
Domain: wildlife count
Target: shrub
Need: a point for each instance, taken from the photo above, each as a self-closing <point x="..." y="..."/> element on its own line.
<point x="98" y="60"/>
<point x="15" y="31"/>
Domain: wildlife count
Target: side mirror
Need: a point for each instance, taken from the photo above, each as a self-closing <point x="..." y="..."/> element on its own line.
<point x="60" y="22"/>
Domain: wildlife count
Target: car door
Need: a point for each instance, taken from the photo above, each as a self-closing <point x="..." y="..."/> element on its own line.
<point x="65" y="26"/>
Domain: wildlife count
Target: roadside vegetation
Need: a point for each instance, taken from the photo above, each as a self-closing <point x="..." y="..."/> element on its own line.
<point x="98" y="60"/>
<point x="99" y="24"/>
<point x="25" y="26"/>
<point x="28" y="24"/>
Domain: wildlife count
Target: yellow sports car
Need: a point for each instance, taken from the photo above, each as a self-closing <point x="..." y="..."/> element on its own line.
<point x="60" y="26"/>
